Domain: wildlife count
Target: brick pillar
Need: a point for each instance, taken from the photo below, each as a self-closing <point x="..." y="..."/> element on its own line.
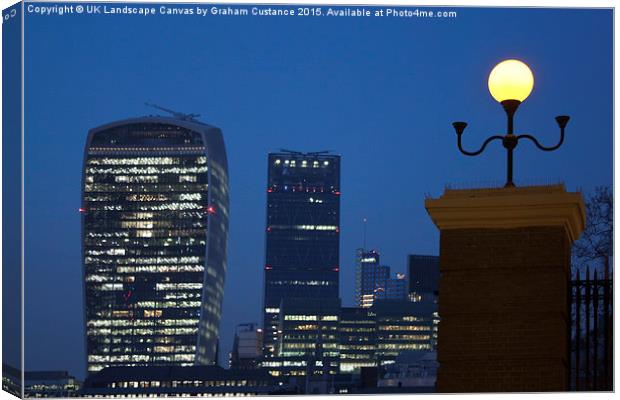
<point x="503" y="291"/>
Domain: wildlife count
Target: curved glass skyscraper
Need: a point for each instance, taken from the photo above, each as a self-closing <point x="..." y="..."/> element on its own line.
<point x="154" y="231"/>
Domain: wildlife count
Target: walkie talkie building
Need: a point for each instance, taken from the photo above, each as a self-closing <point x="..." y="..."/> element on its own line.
<point x="154" y="236"/>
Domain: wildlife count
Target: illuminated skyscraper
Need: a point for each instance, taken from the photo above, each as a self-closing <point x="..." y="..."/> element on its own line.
<point x="373" y="282"/>
<point x="154" y="230"/>
<point x="302" y="234"/>
<point x="369" y="276"/>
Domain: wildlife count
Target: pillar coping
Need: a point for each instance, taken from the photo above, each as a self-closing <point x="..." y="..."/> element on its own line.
<point x="509" y="208"/>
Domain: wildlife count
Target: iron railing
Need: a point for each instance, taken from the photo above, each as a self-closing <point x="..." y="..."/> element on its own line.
<point x="591" y="352"/>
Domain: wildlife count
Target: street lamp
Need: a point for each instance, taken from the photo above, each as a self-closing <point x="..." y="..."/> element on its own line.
<point x="510" y="83"/>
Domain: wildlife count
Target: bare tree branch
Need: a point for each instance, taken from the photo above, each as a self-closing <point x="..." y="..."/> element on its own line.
<point x="595" y="245"/>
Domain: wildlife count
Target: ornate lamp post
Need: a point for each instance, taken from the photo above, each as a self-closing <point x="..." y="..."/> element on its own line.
<point x="510" y="83"/>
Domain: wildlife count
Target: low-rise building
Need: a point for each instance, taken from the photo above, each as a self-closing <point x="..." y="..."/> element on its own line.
<point x="413" y="369"/>
<point x="40" y="384"/>
<point x="308" y="339"/>
<point x="176" y="381"/>
<point x="247" y="347"/>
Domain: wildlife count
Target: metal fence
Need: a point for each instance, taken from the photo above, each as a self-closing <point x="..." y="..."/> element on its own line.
<point x="591" y="354"/>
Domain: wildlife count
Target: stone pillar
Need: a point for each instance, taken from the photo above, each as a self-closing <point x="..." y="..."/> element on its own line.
<point x="504" y="287"/>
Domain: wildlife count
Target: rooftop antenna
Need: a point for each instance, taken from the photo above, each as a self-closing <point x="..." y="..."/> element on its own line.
<point x="365" y="220"/>
<point x="176" y="114"/>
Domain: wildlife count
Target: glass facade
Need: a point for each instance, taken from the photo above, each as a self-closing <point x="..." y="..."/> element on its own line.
<point x="155" y="229"/>
<point x="302" y="233"/>
<point x="396" y="288"/>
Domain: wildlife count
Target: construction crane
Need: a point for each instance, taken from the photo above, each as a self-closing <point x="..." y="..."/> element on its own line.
<point x="176" y="114"/>
<point x="291" y="151"/>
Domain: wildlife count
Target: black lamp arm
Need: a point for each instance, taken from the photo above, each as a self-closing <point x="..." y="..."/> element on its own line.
<point x="562" y="120"/>
<point x="484" y="145"/>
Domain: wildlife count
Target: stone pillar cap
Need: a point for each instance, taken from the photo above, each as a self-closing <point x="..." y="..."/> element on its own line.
<point x="516" y="207"/>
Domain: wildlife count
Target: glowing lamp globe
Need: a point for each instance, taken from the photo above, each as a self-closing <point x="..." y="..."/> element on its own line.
<point x="511" y="80"/>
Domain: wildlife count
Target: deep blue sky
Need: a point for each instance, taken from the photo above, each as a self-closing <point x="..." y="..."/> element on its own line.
<point x="380" y="92"/>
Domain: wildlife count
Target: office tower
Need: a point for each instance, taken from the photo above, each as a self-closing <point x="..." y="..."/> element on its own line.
<point x="373" y="282"/>
<point x="308" y="338"/>
<point x="379" y="334"/>
<point x="357" y="338"/>
<point x="423" y="277"/>
<point x="154" y="230"/>
<point x="404" y="326"/>
<point x="370" y="276"/>
<point x="320" y="338"/>
<point x="247" y="347"/>
<point x="302" y="233"/>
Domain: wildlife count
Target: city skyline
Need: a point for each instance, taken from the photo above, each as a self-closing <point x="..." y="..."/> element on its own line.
<point x="396" y="144"/>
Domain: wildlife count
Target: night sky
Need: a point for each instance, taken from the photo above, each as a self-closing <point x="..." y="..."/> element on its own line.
<point x="380" y="92"/>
